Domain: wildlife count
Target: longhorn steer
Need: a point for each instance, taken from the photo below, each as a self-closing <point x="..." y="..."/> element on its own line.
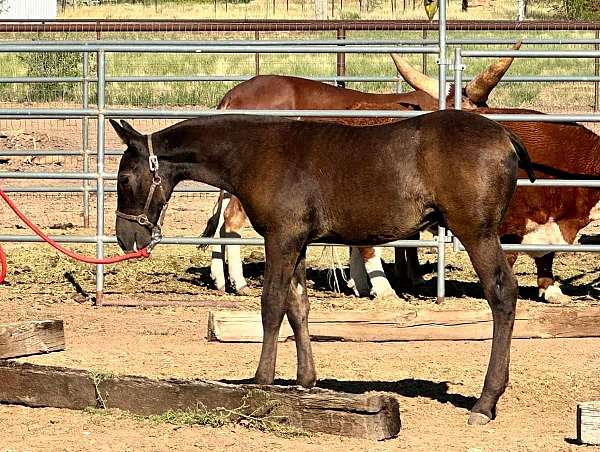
<point x="295" y="178"/>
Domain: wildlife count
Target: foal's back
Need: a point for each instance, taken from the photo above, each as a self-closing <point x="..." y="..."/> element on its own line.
<point x="390" y="180"/>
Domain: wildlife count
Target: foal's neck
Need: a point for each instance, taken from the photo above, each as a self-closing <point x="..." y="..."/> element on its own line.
<point x="205" y="150"/>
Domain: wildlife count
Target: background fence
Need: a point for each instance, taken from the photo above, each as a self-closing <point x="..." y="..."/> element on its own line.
<point x="72" y="87"/>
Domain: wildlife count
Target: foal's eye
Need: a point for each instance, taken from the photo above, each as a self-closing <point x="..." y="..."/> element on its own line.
<point x="124" y="179"/>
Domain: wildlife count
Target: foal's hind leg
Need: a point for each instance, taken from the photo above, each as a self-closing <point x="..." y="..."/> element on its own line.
<point x="297" y="309"/>
<point x="281" y="258"/>
<point x="500" y="289"/>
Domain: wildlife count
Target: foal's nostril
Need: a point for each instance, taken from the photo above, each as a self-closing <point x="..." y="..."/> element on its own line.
<point x="121" y="244"/>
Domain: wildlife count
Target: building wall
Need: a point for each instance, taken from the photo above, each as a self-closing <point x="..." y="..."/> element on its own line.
<point x="28" y="9"/>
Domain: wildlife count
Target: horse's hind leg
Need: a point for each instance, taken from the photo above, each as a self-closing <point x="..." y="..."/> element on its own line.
<point x="282" y="254"/>
<point x="500" y="289"/>
<point x="297" y="312"/>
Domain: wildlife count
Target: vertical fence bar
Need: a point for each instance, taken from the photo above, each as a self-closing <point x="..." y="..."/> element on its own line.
<point x="458" y="73"/>
<point x="257" y="55"/>
<point x="341" y="58"/>
<point x="101" y="70"/>
<point x="442" y="61"/>
<point x="597" y="73"/>
<point x="424" y="55"/>
<point x="85" y="128"/>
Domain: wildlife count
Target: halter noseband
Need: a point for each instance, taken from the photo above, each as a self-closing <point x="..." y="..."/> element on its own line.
<point x="142" y="218"/>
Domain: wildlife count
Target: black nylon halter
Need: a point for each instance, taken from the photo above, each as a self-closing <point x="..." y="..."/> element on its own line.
<point x="142" y="218"/>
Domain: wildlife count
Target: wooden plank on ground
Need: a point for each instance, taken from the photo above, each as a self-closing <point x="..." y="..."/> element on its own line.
<point x="369" y="326"/>
<point x="137" y="303"/>
<point x="31" y="338"/>
<point x="588" y="423"/>
<point x="371" y="415"/>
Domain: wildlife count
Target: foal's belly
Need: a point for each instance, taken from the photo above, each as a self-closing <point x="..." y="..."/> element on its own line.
<point x="373" y="229"/>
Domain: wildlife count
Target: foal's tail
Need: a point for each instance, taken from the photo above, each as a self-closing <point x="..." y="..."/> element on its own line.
<point x="524" y="160"/>
<point x="213" y="222"/>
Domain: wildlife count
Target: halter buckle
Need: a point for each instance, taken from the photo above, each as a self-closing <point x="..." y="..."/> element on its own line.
<point x="153" y="162"/>
<point x="143" y="220"/>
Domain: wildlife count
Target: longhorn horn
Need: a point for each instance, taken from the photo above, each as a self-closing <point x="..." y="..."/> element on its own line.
<point x="415" y="78"/>
<point x="478" y="90"/>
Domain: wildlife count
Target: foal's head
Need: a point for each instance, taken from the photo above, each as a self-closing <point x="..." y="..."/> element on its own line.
<point x="143" y="189"/>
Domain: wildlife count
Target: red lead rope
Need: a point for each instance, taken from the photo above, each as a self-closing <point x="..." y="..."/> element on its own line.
<point x="89" y="260"/>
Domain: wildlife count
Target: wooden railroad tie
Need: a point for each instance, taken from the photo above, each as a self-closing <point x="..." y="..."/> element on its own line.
<point x="369" y="326"/>
<point x="31" y="338"/>
<point x="371" y="415"/>
<point x="588" y="423"/>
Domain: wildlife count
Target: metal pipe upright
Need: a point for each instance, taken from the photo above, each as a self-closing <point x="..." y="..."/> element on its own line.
<point x="443" y="57"/>
<point x="596" y="73"/>
<point x="458" y="73"/>
<point x="85" y="128"/>
<point x="442" y="61"/>
<point x="101" y="68"/>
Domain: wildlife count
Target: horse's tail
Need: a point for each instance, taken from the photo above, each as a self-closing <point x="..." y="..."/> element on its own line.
<point x="524" y="160"/>
<point x="213" y="222"/>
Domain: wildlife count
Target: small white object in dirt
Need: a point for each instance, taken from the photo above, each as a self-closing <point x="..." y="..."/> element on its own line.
<point x="588" y="422"/>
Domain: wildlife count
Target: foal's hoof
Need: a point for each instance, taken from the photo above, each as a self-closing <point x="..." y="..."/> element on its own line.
<point x="478" y="419"/>
<point x="243" y="291"/>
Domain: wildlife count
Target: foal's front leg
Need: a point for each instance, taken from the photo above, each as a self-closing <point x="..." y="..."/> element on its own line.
<point x="280" y="262"/>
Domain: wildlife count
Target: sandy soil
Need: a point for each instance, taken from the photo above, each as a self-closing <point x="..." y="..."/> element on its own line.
<point x="435" y="382"/>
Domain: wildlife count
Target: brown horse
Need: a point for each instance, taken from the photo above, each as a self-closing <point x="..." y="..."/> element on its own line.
<point x="367" y="276"/>
<point x="295" y="178"/>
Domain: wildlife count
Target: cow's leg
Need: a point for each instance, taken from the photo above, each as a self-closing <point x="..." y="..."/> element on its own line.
<point x="235" y="217"/>
<point x="380" y="286"/>
<point x="281" y="258"/>
<point x="217" y="263"/>
<point x="500" y="289"/>
<point x="548" y="289"/>
<point x="406" y="266"/>
<point x="359" y="281"/>
<point x="297" y="309"/>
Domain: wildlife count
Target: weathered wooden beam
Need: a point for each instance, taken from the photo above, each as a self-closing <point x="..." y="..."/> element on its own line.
<point x="362" y="326"/>
<point x="31" y="338"/>
<point x="371" y="415"/>
<point x="588" y="423"/>
<point x="136" y="303"/>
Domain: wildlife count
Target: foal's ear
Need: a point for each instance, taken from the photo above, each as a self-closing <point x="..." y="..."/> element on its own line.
<point x="125" y="132"/>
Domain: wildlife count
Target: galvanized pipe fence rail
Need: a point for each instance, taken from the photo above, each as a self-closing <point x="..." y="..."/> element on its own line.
<point x="101" y="112"/>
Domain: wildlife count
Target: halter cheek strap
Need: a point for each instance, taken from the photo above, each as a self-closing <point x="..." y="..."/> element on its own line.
<point x="142" y="218"/>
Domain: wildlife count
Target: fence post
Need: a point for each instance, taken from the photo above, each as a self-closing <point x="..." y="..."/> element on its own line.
<point x="101" y="70"/>
<point x="597" y="73"/>
<point x="341" y="59"/>
<point x="458" y="73"/>
<point x="424" y="54"/>
<point x="442" y="61"/>
<point x="257" y="55"/>
<point x="85" y="128"/>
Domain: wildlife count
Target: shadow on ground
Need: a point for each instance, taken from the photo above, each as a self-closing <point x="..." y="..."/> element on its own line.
<point x="321" y="279"/>
<point x="409" y="387"/>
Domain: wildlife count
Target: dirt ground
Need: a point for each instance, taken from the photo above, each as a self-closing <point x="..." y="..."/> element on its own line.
<point x="436" y="382"/>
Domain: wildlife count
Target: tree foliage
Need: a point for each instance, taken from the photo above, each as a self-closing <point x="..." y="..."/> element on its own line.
<point x="578" y="9"/>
